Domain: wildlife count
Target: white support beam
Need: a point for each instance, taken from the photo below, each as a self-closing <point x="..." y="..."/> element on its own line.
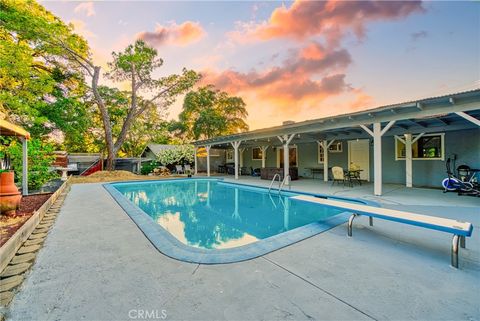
<point x="377" y="134"/>
<point x="24" y="166"/>
<point x="264" y="154"/>
<point x="286" y="139"/>
<point x="408" y="160"/>
<point x="408" y="141"/>
<point x="235" y="145"/>
<point x="386" y="128"/>
<point x="365" y="128"/>
<point x="400" y="139"/>
<point x="325" y="146"/>
<point x="468" y="117"/>
<point x="208" y="159"/>
<point x="417" y="138"/>
<point x="196" y="162"/>
<point x="377" y="159"/>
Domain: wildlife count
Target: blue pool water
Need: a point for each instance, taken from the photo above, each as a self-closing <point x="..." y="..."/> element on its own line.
<point x="212" y="214"/>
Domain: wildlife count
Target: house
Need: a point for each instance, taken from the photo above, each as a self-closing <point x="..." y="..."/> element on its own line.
<point x="406" y="143"/>
<point x="151" y="151"/>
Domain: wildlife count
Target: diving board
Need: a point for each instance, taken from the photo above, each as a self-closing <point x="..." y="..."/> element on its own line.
<point x="459" y="229"/>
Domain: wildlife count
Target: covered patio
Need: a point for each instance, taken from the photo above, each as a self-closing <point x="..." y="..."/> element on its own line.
<point x="380" y="133"/>
<point x="11" y="130"/>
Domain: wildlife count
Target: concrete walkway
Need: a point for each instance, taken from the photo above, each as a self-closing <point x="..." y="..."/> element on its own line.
<point x="97" y="265"/>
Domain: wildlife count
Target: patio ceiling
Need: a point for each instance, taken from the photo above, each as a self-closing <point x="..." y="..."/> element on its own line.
<point x="422" y="116"/>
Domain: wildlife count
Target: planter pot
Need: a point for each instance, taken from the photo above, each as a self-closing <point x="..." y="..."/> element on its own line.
<point x="10" y="197"/>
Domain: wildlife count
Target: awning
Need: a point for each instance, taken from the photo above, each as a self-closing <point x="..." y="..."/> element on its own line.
<point x="9" y="129"/>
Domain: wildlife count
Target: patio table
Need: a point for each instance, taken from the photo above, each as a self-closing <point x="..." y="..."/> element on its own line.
<point x="317" y="170"/>
<point x="353" y="175"/>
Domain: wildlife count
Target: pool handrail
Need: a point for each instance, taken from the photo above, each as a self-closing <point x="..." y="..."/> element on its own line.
<point x="273" y="180"/>
<point x="289" y="178"/>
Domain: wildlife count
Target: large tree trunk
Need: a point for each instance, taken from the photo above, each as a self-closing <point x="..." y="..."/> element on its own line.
<point x="128" y="121"/>
<point x="107" y="126"/>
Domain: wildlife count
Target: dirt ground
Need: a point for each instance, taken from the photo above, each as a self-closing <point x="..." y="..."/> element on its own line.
<point x="9" y="224"/>
<point x="114" y="176"/>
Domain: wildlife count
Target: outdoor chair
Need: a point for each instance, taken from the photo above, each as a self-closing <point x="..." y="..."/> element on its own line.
<point x="245" y="171"/>
<point x="188" y="168"/>
<point x="179" y="169"/>
<point x="339" y="175"/>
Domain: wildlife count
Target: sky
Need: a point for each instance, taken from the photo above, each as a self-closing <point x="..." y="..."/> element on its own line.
<point x="296" y="60"/>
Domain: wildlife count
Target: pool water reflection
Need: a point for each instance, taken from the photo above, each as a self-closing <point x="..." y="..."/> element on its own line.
<point x="212" y="214"/>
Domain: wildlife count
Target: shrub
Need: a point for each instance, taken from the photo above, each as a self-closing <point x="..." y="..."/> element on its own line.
<point x="40" y="160"/>
<point x="181" y="154"/>
<point x="148" y="167"/>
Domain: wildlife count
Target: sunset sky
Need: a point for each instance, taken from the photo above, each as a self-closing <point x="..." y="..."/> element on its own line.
<point x="297" y="60"/>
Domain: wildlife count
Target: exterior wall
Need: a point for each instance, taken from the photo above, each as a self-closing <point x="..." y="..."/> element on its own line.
<point x="307" y="157"/>
<point x="465" y="144"/>
<point x="428" y="173"/>
<point x="214" y="161"/>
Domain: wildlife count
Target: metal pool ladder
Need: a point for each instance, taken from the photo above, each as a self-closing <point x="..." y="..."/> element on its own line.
<point x="280" y="183"/>
<point x="289" y="178"/>
<point x="273" y="180"/>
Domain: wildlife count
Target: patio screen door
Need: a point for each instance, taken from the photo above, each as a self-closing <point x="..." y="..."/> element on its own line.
<point x="292" y="153"/>
<point x="359" y="154"/>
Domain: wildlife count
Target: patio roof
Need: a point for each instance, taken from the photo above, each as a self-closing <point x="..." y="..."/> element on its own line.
<point x="9" y="129"/>
<point x="443" y="113"/>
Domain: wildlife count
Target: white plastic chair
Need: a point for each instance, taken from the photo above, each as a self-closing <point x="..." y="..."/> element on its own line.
<point x="179" y="169"/>
<point x="188" y="168"/>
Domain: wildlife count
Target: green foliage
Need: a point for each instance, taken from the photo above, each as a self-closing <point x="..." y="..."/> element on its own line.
<point x="148" y="167"/>
<point x="40" y="87"/>
<point x="208" y="112"/>
<point x="181" y="154"/>
<point x="40" y="160"/>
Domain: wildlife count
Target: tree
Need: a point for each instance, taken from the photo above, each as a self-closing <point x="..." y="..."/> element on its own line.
<point x="39" y="88"/>
<point x="135" y="65"/>
<point x="150" y="126"/>
<point x="208" y="112"/>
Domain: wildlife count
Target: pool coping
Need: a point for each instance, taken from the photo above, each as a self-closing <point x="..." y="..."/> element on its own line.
<point x="168" y="245"/>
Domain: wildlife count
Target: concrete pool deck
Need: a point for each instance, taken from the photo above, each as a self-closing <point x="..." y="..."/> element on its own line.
<point x="97" y="265"/>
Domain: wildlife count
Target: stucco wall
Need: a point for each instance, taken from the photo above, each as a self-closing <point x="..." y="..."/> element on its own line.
<point x="466" y="144"/>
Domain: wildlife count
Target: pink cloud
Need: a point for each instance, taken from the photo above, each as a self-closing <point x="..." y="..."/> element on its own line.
<point x="329" y="19"/>
<point x="86" y="8"/>
<point x="311" y="73"/>
<point x="182" y="35"/>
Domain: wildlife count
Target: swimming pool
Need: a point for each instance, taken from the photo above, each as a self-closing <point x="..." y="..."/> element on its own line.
<point x="212" y="221"/>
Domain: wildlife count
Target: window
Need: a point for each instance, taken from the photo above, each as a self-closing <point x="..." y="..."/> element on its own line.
<point x="427" y="147"/>
<point x="320" y="154"/>
<point x="229" y="156"/>
<point x="292" y="155"/>
<point x="257" y="153"/>
<point x="336" y="147"/>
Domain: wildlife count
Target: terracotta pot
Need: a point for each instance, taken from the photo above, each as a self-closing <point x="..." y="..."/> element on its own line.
<point x="10" y="197"/>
